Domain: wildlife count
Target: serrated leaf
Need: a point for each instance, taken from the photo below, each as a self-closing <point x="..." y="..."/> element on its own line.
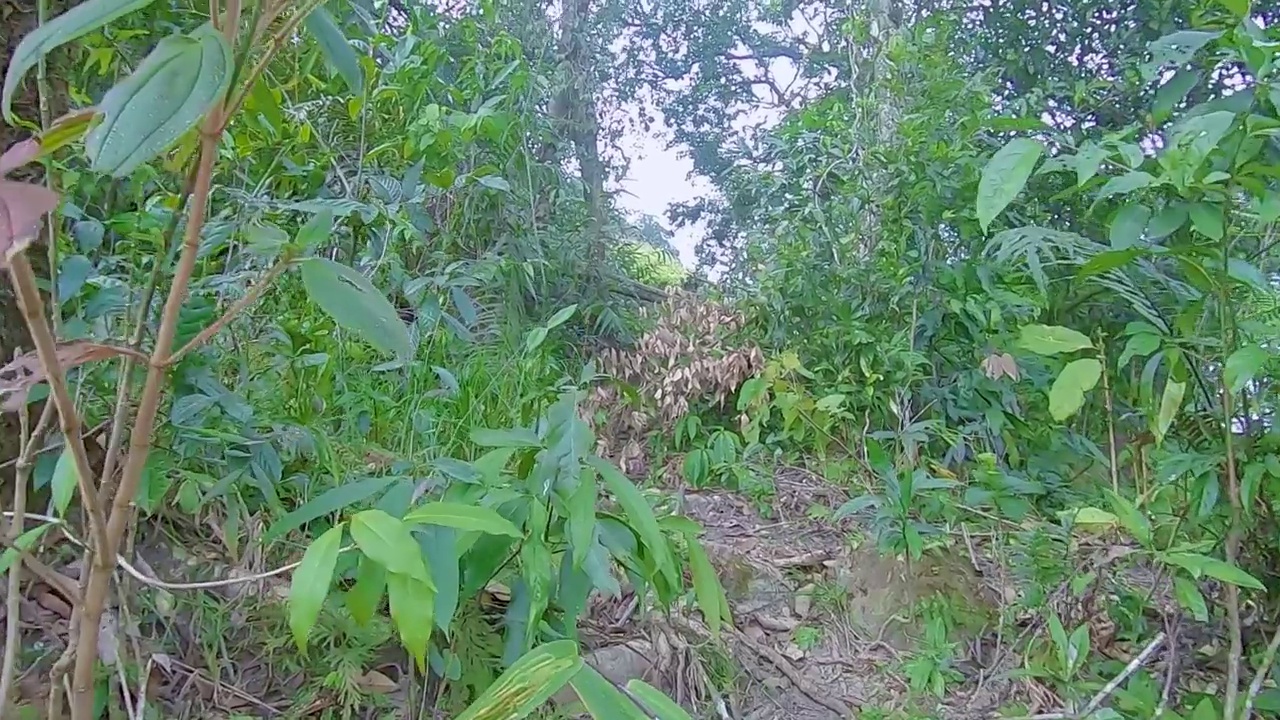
<point x="1052" y="339"/>
<point x="64" y="481"/>
<point x="1242" y="365"/>
<point x="1068" y="391"/>
<point x="528" y="683"/>
<point x="388" y="541"/>
<point x="355" y="304"/>
<point x="1199" y="565"/>
<point x="639" y="514"/>
<point x="706" y="586"/>
<point x="411" y="600"/>
<point x="601" y="698"/>
<point x="330" y="501"/>
<point x="80" y="20"/>
<point x="364" y="597"/>
<point x="657" y="703"/>
<point x="169" y="92"/>
<point x="1170" y="403"/>
<point x="463" y="517"/>
<point x="311" y="582"/>
<point x="1004" y="176"/>
<point x="337" y="50"/>
<point x="509" y="438"/>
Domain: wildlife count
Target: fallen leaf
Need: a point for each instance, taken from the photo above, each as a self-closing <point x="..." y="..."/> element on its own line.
<point x="21" y="207"/>
<point x="25" y="372"/>
<point x="19" y="154"/>
<point x="375" y="683"/>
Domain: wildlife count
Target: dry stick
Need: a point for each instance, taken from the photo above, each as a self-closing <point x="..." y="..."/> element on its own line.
<point x="1111" y="419"/>
<point x="12" y="610"/>
<point x="1233" y="532"/>
<point x="24" y="281"/>
<point x="1255" y="687"/>
<point x="236" y="308"/>
<point x="140" y="439"/>
<point x="1129" y="669"/>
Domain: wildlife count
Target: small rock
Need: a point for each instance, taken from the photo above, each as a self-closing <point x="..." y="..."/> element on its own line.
<point x="804" y="600"/>
<point x="774" y="623"/>
<point x="793" y="652"/>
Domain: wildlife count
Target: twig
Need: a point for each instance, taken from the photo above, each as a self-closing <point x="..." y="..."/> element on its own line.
<point x="236" y="308"/>
<point x="1129" y="669"/>
<point x="1264" y="670"/>
<point x="13" y="620"/>
<point x="777" y="660"/>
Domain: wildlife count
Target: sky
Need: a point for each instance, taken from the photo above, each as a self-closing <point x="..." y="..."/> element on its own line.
<point x="658" y="177"/>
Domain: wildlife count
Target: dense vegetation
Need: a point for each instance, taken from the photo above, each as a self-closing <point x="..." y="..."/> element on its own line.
<point x="342" y="384"/>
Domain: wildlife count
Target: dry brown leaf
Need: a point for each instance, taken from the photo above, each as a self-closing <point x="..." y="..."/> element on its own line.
<point x="25" y="372"/>
<point x="375" y="683"/>
<point x="21" y="207"/>
<point x="19" y="154"/>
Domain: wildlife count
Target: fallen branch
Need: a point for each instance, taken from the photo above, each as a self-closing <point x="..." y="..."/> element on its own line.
<point x="1264" y="670"/>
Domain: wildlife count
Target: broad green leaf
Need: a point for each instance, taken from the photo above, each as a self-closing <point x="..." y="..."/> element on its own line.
<point x="337" y="50"/>
<point x="1067" y="394"/>
<point x="1004" y="177"/>
<point x="315" y="231"/>
<point x="656" y="702"/>
<point x="1109" y="260"/>
<point x="1052" y="339"/>
<point x="562" y="316"/>
<point x="169" y="92"/>
<point x="639" y="514"/>
<point x="1170" y="403"/>
<point x="528" y="683"/>
<point x="65" y="480"/>
<point x="411" y="601"/>
<point x="387" y="541"/>
<point x="1207" y="220"/>
<point x="311" y="582"/>
<point x="535" y="338"/>
<point x="23" y="542"/>
<point x="1126" y="183"/>
<point x="1088" y="160"/>
<point x="509" y="438"/>
<point x="77" y="22"/>
<point x="1131" y="518"/>
<point x="1128" y="225"/>
<point x="1175" y="49"/>
<point x="582" y="517"/>
<point x="1170" y="94"/>
<point x="330" y="501"/>
<point x="706" y="586"/>
<point x="1190" y="598"/>
<point x="1089" y="516"/>
<point x="364" y="597"/>
<point x="1246" y="272"/>
<point x="439" y="545"/>
<point x="355" y="304"/>
<point x="1199" y="565"/>
<point x="1140" y="345"/>
<point x="1167" y="222"/>
<point x="463" y="517"/>
<point x="1242" y="365"/>
<point x="601" y="698"/>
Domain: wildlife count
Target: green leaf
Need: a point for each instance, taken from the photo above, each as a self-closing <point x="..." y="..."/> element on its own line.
<point x="77" y="22"/>
<point x="1170" y="94"/>
<point x="311" y="582"/>
<point x="330" y="501"/>
<point x="1167" y="222"/>
<point x="535" y="338"/>
<point x="1243" y="365"/>
<point x="337" y="50"/>
<point x="582" y="517"/>
<point x="387" y="541"/>
<point x="364" y="597"/>
<point x="656" y="702"/>
<point x="1207" y="220"/>
<point x="1052" y="339"/>
<point x="169" y="92"/>
<point x="411" y="601"/>
<point x="639" y="513"/>
<point x="1199" y="565"/>
<point x="315" y="231"/>
<point x="23" y="542"/>
<point x="562" y="316"/>
<point x="1128" y="225"/>
<point x="1247" y="273"/>
<point x="1140" y="345"/>
<point x="1170" y="403"/>
<point x="355" y="304"/>
<point x="1190" y="598"/>
<point x="528" y="683"/>
<point x="706" y="586"/>
<point x="1109" y="260"/>
<point x="601" y="698"/>
<point x="1126" y="183"/>
<point x="509" y="438"/>
<point x="64" y="481"/>
<point x="440" y="546"/>
<point x="463" y="517"/>
<point x="1131" y="518"/>
<point x="1175" y="49"/>
<point x="1004" y="177"/>
<point x="1067" y="394"/>
<point x="1088" y="160"/>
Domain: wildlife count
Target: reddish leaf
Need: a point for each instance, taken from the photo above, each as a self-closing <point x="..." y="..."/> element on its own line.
<point x="25" y="372"/>
<point x="18" y="155"/>
<point x="21" y="207"/>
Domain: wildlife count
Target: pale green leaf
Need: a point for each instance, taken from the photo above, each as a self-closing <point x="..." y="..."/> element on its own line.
<point x="528" y="683"/>
<point x="169" y="92"/>
<point x="23" y="542"/>
<point x="311" y="582"/>
<point x="1175" y="49"/>
<point x="1199" y="565"/>
<point x="1190" y="598"/>
<point x="535" y="338"/>
<point x="364" y="597"/>
<point x="1126" y="183"/>
<point x="582" y="517"/>
<point x="462" y="517"/>
<point x="1128" y="226"/>
<point x="602" y="700"/>
<point x="65" y="480"/>
<point x="1004" y="176"/>
<point x="706" y="586"/>
<point x="1052" y="339"/>
<point x="337" y="50"/>
<point x="1140" y="346"/>
<point x="77" y="22"/>
<point x="388" y="541"/>
<point x="1131" y="518"/>
<point x="656" y="702"/>
<point x="1170" y="94"/>
<point x="355" y="304"/>
<point x="562" y="316"/>
<point x="1207" y="220"/>
<point x="1068" y="391"/>
<point x="1088" y="160"/>
<point x="509" y="438"/>
<point x="411" y="601"/>
<point x="1243" y="364"/>
<point x="1089" y="516"/>
<point x="316" y="230"/>
<point x="1170" y="403"/>
<point x="330" y="501"/>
